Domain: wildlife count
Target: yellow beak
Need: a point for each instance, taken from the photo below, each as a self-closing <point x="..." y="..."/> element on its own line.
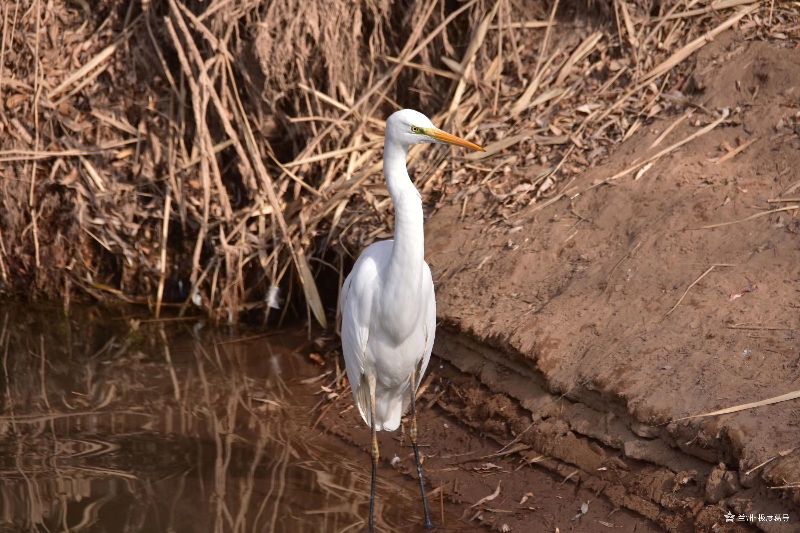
<point x="449" y="138"/>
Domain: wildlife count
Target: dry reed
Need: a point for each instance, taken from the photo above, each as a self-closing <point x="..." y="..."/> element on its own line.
<point x="208" y="153"/>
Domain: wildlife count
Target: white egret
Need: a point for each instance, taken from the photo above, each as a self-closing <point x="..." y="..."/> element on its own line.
<point x="388" y="304"/>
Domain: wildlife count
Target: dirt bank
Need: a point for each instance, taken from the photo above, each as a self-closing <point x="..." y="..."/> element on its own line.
<point x="617" y="310"/>
<point x="463" y="464"/>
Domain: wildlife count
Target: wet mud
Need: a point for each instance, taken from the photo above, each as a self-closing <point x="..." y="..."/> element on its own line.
<point x="474" y="461"/>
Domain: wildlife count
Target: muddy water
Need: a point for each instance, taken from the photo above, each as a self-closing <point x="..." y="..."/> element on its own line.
<point x="112" y="424"/>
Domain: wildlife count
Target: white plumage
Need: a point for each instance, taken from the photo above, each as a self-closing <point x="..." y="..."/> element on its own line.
<point x="387" y="301"/>
<point x="388" y="304"/>
<point x="385" y="350"/>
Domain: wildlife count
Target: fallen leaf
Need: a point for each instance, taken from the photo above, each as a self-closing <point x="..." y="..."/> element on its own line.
<point x="486" y="467"/>
<point x="583" y="511"/>
<point x="488" y="498"/>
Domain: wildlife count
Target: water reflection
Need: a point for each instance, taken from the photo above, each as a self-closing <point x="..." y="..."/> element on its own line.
<point x="108" y="424"/>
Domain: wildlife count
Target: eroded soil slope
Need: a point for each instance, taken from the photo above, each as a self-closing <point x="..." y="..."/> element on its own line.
<point x="579" y="295"/>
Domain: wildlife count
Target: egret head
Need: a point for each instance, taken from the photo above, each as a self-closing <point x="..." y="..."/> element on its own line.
<point x="407" y="127"/>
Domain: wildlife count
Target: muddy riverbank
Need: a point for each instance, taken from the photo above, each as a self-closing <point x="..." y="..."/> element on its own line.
<point x="111" y="421"/>
<point x="634" y="300"/>
<point x="623" y="261"/>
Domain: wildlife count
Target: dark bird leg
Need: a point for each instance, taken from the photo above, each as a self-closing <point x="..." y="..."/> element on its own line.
<point x="427" y="524"/>
<point x="375" y="455"/>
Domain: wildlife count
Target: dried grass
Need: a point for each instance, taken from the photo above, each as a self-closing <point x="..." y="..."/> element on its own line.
<point x="206" y="153"/>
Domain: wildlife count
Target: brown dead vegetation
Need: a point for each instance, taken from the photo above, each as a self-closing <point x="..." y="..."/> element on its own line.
<point x="207" y="153"/>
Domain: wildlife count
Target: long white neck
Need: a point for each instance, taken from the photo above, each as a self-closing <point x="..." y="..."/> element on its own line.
<point x="403" y="278"/>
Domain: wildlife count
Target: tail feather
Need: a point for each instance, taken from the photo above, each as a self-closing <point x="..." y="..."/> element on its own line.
<point x="361" y="395"/>
<point x="389" y="408"/>
<point x="391" y="404"/>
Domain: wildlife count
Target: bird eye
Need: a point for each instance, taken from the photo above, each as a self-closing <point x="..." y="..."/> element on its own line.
<point x="415" y="129"/>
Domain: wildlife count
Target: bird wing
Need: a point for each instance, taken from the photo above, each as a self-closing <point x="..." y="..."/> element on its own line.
<point x="429" y="323"/>
<point x="356" y="302"/>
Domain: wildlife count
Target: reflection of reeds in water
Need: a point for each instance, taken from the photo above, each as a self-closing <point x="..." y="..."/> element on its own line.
<point x="142" y="429"/>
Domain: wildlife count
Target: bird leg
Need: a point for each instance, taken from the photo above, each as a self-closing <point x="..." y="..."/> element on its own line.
<point x="413" y="434"/>
<point x="375" y="453"/>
